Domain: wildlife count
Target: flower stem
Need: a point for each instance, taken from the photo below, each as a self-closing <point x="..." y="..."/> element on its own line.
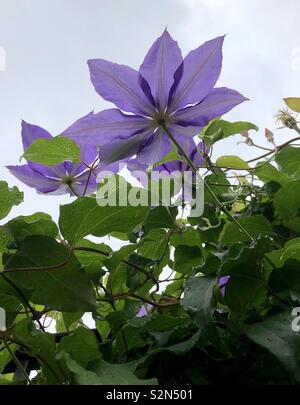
<point x="17" y="362"/>
<point x="208" y="188"/>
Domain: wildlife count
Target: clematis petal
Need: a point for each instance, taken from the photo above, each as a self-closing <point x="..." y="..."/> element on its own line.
<point x="218" y="102"/>
<point x="182" y="132"/>
<point x="31" y="133"/>
<point x="157" y="147"/>
<point x="101" y="128"/>
<point x="222" y="284"/>
<point x="159" y="67"/>
<point x="137" y="170"/>
<point x="200" y="71"/>
<point x="196" y="156"/>
<point x="123" y="148"/>
<point x="33" y="179"/>
<point x="119" y="84"/>
<point x="85" y="184"/>
<point x="89" y="154"/>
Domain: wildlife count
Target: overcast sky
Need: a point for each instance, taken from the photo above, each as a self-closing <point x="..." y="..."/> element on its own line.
<point x="47" y="43"/>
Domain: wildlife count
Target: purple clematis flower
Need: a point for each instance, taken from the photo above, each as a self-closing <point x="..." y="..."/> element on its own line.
<point x="55" y="179"/>
<point x="222" y="284"/>
<point x="167" y="92"/>
<point x="144" y="310"/>
<point x="194" y="152"/>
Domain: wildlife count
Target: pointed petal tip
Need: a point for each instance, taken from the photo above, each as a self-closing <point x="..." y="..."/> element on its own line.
<point x="10" y="167"/>
<point x="166" y="32"/>
<point x="24" y="124"/>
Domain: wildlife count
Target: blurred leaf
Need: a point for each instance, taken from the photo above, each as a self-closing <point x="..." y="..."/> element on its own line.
<point x="231" y="162"/>
<point x="293" y="103"/>
<point x="8" y="197"/>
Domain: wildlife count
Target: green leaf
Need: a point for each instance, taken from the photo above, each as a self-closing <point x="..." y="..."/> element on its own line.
<point x="255" y="225"/>
<point x="36" y="224"/>
<point x="81" y="345"/>
<point x="246" y="285"/>
<point x="291" y="250"/>
<point x="211" y="265"/>
<point x="154" y="245"/>
<point x="116" y="257"/>
<point x="287" y="200"/>
<point x="198" y="297"/>
<point x="65" y="288"/>
<point x="186" y="258"/>
<point x="53" y="151"/>
<point x="5" y="239"/>
<point x="220" y="129"/>
<point x="85" y="217"/>
<point x="231" y="162"/>
<point x="164" y="322"/>
<point x="288" y="159"/>
<point x="41" y="345"/>
<point x="91" y="261"/>
<point x="277" y="336"/>
<point x="267" y="172"/>
<point x="218" y="183"/>
<point x="188" y="237"/>
<point x="173" y="155"/>
<point x="8" y="197"/>
<point x="161" y="217"/>
<point x="5" y="356"/>
<point x="133" y="336"/>
<point x="286" y="275"/>
<point x="11" y="305"/>
<point x="105" y="373"/>
<point x="293" y="103"/>
<point x="286" y="278"/>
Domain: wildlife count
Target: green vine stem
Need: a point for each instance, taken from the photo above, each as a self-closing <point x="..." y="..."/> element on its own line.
<point x="208" y="188"/>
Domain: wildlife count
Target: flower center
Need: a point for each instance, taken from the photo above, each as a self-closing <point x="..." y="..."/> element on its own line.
<point x="161" y="122"/>
<point x="161" y="118"/>
<point x="69" y="180"/>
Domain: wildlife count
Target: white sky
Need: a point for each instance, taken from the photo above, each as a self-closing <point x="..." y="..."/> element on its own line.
<point x="47" y="44"/>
